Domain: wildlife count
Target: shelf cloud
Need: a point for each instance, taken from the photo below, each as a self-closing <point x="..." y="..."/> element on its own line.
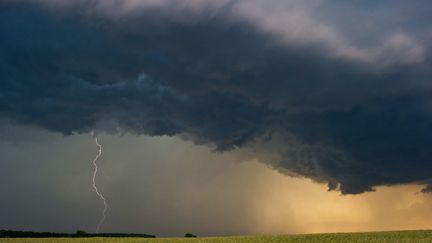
<point x="340" y="92"/>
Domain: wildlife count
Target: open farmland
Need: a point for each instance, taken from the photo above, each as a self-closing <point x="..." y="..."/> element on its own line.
<point x="376" y="237"/>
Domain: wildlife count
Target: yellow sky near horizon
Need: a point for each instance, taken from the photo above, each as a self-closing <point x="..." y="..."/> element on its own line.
<point x="301" y="206"/>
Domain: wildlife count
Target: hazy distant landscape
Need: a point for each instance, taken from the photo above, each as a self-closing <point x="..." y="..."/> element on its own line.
<point x="377" y="237"/>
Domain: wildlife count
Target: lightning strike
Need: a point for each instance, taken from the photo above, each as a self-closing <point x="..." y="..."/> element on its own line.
<point x="96" y="188"/>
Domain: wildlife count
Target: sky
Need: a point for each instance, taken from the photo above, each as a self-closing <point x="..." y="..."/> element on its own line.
<point x="216" y="117"/>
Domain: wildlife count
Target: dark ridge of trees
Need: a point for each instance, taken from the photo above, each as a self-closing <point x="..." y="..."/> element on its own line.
<point x="79" y="233"/>
<point x="30" y="234"/>
<point x="190" y="235"/>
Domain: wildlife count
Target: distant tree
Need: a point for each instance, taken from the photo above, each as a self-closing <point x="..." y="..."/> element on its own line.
<point x="189" y="235"/>
<point x="81" y="233"/>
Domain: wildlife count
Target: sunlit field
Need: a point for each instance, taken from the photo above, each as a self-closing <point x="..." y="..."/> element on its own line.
<point x="391" y="237"/>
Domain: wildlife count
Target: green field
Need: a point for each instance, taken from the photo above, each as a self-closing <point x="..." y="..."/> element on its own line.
<point x="390" y="237"/>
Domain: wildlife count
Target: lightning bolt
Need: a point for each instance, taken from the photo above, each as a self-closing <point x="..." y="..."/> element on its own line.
<point x="96" y="188"/>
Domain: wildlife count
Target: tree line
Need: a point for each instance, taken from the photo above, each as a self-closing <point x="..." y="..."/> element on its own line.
<point x="78" y="233"/>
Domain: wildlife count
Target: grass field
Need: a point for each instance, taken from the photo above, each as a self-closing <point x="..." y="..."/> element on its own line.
<point x="390" y="237"/>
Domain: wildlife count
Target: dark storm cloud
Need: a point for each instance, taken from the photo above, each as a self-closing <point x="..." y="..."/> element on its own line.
<point x="353" y="114"/>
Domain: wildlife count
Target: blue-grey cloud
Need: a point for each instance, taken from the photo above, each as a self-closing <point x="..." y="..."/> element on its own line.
<point x="354" y="108"/>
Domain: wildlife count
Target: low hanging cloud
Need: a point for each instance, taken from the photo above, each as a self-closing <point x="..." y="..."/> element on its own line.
<point x="351" y="109"/>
